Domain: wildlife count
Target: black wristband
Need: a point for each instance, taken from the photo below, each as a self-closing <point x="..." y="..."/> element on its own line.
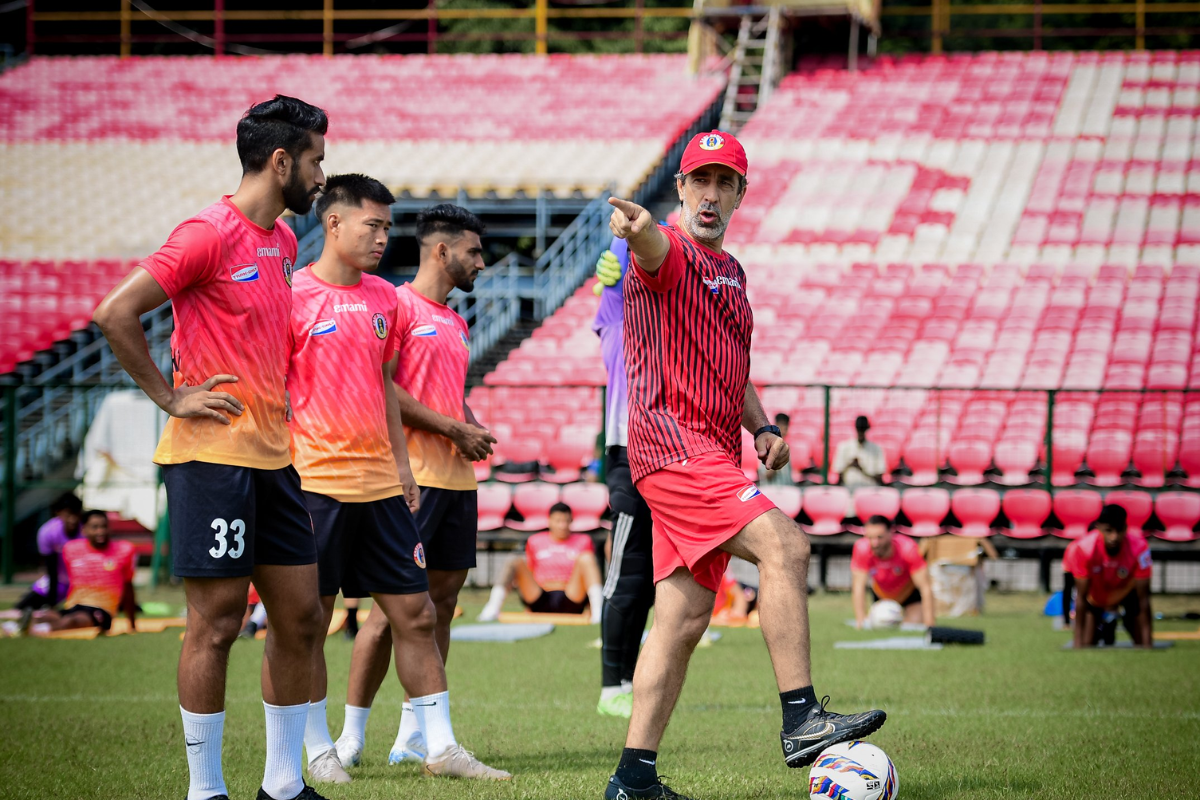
<point x="767" y="429"/>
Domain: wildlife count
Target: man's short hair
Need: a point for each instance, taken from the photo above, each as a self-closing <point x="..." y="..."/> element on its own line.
<point x="282" y="122"/>
<point x="92" y="512"/>
<point x="782" y="419"/>
<point x="67" y="501"/>
<point x="879" y="519"/>
<point x="449" y="220"/>
<point x="861" y="423"/>
<point x="352" y="189"/>
<point x="560" y="508"/>
<point x="1113" y="516"/>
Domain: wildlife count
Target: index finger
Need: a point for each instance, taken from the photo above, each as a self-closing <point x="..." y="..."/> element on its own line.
<point x="217" y="380"/>
<point x="629" y="209"/>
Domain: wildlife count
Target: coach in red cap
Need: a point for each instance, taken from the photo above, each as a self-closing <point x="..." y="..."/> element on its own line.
<point x="687" y="351"/>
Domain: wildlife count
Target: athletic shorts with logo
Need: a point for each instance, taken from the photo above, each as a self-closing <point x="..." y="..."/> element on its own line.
<point x="367" y="548"/>
<point x="448" y="520"/>
<point x="697" y="505"/>
<point x="226" y="520"/>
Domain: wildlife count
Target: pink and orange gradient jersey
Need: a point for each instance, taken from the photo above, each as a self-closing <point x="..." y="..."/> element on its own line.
<point x="891" y="577"/>
<point x="341" y="338"/>
<point x="98" y="577"/>
<point x="434" y="349"/>
<point x="552" y="560"/>
<point x="230" y="286"/>
<point x="1110" y="578"/>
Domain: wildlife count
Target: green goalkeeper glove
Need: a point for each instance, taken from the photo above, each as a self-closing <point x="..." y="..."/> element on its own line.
<point x="608" y="271"/>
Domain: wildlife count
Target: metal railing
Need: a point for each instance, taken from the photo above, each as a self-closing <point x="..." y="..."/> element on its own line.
<point x="572" y="258"/>
<point x="492" y="307"/>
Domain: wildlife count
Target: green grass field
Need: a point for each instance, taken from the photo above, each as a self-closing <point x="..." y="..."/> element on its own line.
<point x="1017" y="717"/>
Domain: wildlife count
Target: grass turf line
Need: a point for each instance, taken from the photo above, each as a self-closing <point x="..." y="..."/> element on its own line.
<point x="1017" y="717"/>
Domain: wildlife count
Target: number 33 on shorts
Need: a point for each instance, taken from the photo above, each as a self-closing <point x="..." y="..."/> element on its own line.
<point x="223" y="529"/>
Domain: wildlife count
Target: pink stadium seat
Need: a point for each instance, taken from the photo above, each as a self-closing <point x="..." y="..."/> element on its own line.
<point x="1107" y="458"/>
<point x="587" y="501"/>
<point x="1179" y="512"/>
<point x="1138" y="507"/>
<point x="1068" y="452"/>
<point x="969" y="457"/>
<point x="787" y="499"/>
<point x="1153" y="455"/>
<point x="495" y="499"/>
<point x="872" y="500"/>
<point x="925" y="509"/>
<point x="483" y="470"/>
<point x="1015" y="459"/>
<point x="801" y="457"/>
<point x="1027" y="511"/>
<point x="975" y="509"/>
<point x="520" y="450"/>
<point x="1189" y="459"/>
<point x="533" y="501"/>
<point x="567" y="459"/>
<point x="922" y="458"/>
<point x="825" y="505"/>
<point x="1076" y="509"/>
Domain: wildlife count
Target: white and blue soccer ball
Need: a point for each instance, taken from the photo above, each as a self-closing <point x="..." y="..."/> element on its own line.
<point x="885" y="614"/>
<point x="853" y="771"/>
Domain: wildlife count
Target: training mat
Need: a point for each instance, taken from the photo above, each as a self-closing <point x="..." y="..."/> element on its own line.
<point x="1193" y="636"/>
<point x="1121" y="645"/>
<point x="906" y="627"/>
<point x="528" y="617"/>
<point x="890" y="643"/>
<point x="499" y="633"/>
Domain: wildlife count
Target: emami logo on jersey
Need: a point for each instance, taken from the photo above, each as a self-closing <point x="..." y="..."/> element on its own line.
<point x="749" y="493"/>
<point x="244" y="273"/>
<point x="425" y="330"/>
<point x="323" y="327"/>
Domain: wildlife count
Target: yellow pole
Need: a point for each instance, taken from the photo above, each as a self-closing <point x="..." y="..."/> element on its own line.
<point x="935" y="22"/>
<point x="126" y="33"/>
<point x="541" y="21"/>
<point x="327" y="30"/>
<point x="1141" y="24"/>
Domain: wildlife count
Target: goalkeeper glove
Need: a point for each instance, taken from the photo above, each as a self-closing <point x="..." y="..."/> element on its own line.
<point x="608" y="271"/>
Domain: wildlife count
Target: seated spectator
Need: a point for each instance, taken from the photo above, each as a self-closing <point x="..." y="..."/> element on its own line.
<point x="1112" y="569"/>
<point x="101" y="575"/>
<point x="859" y="462"/>
<point x="778" y="477"/>
<point x="893" y="564"/>
<point x="558" y="574"/>
<point x="255" y="618"/>
<point x="52" y="588"/>
<point x="734" y="602"/>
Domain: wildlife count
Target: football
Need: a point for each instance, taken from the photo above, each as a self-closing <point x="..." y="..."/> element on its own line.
<point x="853" y="771"/>
<point x="885" y="614"/>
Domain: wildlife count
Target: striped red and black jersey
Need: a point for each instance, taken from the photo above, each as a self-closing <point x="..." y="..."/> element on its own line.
<point x="687" y="355"/>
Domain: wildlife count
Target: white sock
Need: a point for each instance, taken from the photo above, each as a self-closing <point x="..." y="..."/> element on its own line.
<point x="408" y="726"/>
<point x="316" y="731"/>
<point x="202" y="734"/>
<point x="259" y="615"/>
<point x="495" y="603"/>
<point x="627" y="687"/>
<point x="355" y="725"/>
<point x="596" y="601"/>
<point x="283" y="777"/>
<point x="433" y="718"/>
<point x="609" y="692"/>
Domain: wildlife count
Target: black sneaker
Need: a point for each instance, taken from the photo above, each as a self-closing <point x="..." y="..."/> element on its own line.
<point x="307" y="793"/>
<point x="619" y="791"/>
<point x="249" y="631"/>
<point x="824" y="728"/>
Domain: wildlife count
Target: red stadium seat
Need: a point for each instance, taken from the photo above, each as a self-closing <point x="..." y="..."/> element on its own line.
<point x="566" y="458"/>
<point x="1138" y="507"/>
<point x="787" y="499"/>
<point x="922" y="458"/>
<point x="533" y="501"/>
<point x="1153" y="456"/>
<point x="1179" y="512"/>
<point x="1189" y="459"/>
<point x="925" y="509"/>
<point x="1015" y="459"/>
<point x="1068" y="452"/>
<point x="1076" y="509"/>
<point x="825" y="506"/>
<point x="801" y="457"/>
<point x="1107" y="458"/>
<point x="975" y="509"/>
<point x="587" y="501"/>
<point x="872" y="500"/>
<point x="483" y="470"/>
<point x="519" y="452"/>
<point x="495" y="499"/>
<point x="1027" y="511"/>
<point x="969" y="457"/>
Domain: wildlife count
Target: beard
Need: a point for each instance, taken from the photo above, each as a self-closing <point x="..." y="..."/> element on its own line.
<point x="297" y="197"/>
<point x="705" y="231"/>
<point x="460" y="273"/>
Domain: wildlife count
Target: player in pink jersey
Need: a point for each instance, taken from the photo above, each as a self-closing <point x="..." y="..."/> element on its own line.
<point x="1112" y="570"/>
<point x="558" y="575"/>
<point x="443" y="439"/>
<point x="236" y="506"/>
<point x="892" y="565"/>
<point x="353" y="463"/>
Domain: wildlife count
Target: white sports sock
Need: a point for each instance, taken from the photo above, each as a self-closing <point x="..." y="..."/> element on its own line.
<point x="355" y="724"/>
<point x="596" y="601"/>
<point x="627" y="687"/>
<point x="316" y="731"/>
<point x="494" y="604"/>
<point x="283" y="777"/>
<point x="408" y="726"/>
<point x="259" y="615"/>
<point x="433" y="717"/>
<point x="202" y="734"/>
<point x="609" y="692"/>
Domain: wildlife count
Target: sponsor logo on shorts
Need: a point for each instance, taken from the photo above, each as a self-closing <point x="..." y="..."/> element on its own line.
<point x="749" y="493"/>
<point x="323" y="327"/>
<point x="712" y="141"/>
<point x="287" y="269"/>
<point x="379" y="324"/>
<point x="419" y="555"/>
<point x="425" y="330"/>
<point x="244" y="273"/>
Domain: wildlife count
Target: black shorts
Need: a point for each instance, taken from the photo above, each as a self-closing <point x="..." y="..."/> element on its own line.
<point x="226" y="520"/>
<point x="448" y="520"/>
<point x="555" y="602"/>
<point x="367" y="548"/>
<point x="913" y="598"/>
<point x="100" y="618"/>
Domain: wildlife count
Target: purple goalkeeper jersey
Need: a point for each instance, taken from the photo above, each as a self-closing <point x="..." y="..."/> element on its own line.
<point x="610" y="324"/>
<point x="51" y="538"/>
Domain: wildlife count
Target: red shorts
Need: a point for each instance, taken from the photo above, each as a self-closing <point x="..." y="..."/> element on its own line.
<point x="697" y="505"/>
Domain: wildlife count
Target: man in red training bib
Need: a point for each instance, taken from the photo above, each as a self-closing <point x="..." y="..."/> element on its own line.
<point x="1112" y="569"/>
<point x="892" y="564"/>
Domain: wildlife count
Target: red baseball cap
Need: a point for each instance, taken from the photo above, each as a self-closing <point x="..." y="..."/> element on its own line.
<point x="714" y="147"/>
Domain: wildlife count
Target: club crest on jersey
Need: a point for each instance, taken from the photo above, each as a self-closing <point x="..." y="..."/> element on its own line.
<point x="244" y="273"/>
<point x="425" y="330"/>
<point x="323" y="327"/>
<point x="379" y="324"/>
<point x="419" y="555"/>
<point x="749" y="493"/>
<point x="712" y="141"/>
<point x="287" y="270"/>
<point x="462" y="337"/>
